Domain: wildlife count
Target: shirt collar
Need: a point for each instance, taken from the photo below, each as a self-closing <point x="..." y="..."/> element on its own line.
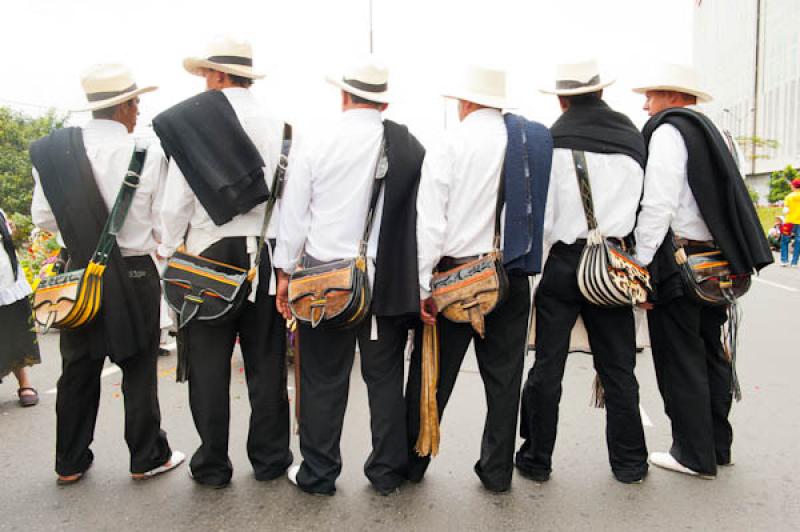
<point x="481" y="115"/>
<point x="362" y="115"/>
<point x="106" y="127"/>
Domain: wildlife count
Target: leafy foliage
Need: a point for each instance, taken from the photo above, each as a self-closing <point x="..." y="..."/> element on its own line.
<point x="756" y="147"/>
<point x="779" y="184"/>
<point x="17" y="131"/>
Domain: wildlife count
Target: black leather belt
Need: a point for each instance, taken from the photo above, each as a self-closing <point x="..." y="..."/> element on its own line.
<point x="685" y="242"/>
<point x="448" y="263"/>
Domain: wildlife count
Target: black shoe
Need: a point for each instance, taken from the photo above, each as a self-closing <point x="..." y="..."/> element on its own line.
<point x="536" y="475"/>
<point x="216" y="486"/>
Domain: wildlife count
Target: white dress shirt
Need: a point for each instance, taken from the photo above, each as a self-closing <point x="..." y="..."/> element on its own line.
<point x="109" y="148"/>
<point x="328" y="190"/>
<point x="457" y="198"/>
<point x="182" y="210"/>
<point x="11" y="290"/>
<point x="668" y="200"/>
<point x="616" y="182"/>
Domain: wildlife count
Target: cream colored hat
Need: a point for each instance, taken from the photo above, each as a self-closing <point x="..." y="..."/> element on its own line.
<point x="108" y="85"/>
<point x="678" y="78"/>
<point x="369" y="79"/>
<point x="225" y="54"/>
<point x="577" y="78"/>
<point x="481" y="85"/>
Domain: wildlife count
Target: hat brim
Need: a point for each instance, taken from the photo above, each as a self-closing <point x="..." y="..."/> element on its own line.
<point x="196" y="65"/>
<point x="579" y="90"/>
<point x="116" y="100"/>
<point x="702" y="97"/>
<point x="494" y="102"/>
<point x="377" y="97"/>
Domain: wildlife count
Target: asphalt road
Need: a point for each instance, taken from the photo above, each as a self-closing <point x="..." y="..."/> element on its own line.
<point x="761" y="492"/>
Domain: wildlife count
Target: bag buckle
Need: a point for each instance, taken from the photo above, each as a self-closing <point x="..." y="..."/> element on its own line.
<point x="317" y="311"/>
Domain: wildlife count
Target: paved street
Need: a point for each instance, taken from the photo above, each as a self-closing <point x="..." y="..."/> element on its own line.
<point x="761" y="492"/>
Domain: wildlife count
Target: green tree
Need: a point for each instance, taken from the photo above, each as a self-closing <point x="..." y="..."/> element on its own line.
<point x="17" y="131"/>
<point x="754" y="195"/>
<point x="779" y="184"/>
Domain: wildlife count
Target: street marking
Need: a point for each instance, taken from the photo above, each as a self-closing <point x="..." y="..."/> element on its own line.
<point x="645" y="418"/>
<point x="105" y="373"/>
<point x="776" y="285"/>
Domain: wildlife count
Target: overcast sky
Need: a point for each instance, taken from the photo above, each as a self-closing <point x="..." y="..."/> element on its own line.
<point x="45" y="44"/>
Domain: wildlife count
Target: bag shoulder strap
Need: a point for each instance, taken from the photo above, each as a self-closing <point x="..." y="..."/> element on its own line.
<point x="585" y="188"/>
<point x="381" y="169"/>
<point x="119" y="212"/>
<point x="501" y="197"/>
<point x="275" y="191"/>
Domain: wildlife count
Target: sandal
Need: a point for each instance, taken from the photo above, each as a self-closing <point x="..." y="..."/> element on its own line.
<point x="28" y="399"/>
<point x="66" y="480"/>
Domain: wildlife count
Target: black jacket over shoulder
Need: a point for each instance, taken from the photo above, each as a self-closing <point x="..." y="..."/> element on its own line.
<point x="720" y="192"/>
<point x="396" y="286"/>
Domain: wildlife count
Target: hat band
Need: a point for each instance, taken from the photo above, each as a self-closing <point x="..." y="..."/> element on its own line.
<point x="97" y="96"/>
<point x="231" y="60"/>
<point x="368" y="87"/>
<point x="573" y="84"/>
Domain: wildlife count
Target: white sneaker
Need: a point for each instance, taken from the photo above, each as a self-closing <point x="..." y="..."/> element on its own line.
<point x="667" y="461"/>
<point x="291" y="474"/>
<point x="174" y="461"/>
<point x="784" y="264"/>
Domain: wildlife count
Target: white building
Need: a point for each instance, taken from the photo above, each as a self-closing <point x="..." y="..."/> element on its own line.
<point x="724" y="55"/>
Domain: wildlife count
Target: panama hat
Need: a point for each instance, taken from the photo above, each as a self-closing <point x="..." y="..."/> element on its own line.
<point x="368" y="79"/>
<point x="577" y="78"/>
<point x="677" y="78"/>
<point x="225" y="54"/>
<point x="481" y="85"/>
<point x="108" y="85"/>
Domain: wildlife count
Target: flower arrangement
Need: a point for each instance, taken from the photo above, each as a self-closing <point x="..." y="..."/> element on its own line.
<point x="40" y="257"/>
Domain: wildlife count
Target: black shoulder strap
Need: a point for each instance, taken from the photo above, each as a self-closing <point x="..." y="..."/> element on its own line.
<point x="381" y="168"/>
<point x="501" y="197"/>
<point x="585" y="188"/>
<point x="276" y="190"/>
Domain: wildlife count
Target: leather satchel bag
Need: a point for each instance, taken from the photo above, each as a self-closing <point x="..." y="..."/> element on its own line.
<point x="202" y="289"/>
<point x="336" y="294"/>
<point x="72" y="299"/>
<point x="469" y="291"/>
<point x="607" y="275"/>
<point x="706" y="274"/>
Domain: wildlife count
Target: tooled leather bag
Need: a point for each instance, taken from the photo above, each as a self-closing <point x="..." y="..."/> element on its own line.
<point x="202" y="289"/>
<point x="707" y="276"/>
<point x="472" y="290"/>
<point x="608" y="276"/>
<point x="336" y="295"/>
<point x="72" y="299"/>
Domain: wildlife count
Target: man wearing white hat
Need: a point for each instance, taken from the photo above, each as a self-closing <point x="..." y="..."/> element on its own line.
<point x="614" y="154"/>
<point x="68" y="164"/>
<point x="488" y="165"/>
<point x="695" y="198"/>
<point x="224" y="147"/>
<point x="332" y="180"/>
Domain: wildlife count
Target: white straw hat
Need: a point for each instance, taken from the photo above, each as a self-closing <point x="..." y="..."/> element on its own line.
<point x="107" y="85"/>
<point x="481" y="85"/>
<point x="677" y="78"/>
<point x="368" y="79"/>
<point x="225" y="54"/>
<point x="577" y="78"/>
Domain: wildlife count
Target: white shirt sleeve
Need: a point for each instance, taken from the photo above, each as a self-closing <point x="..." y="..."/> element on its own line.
<point x="176" y="210"/>
<point x="156" y="167"/>
<point x="664" y="177"/>
<point x="294" y="218"/>
<point x="432" y="212"/>
<point x="550" y="207"/>
<point x="41" y="213"/>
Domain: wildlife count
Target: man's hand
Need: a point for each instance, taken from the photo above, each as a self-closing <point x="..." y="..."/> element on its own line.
<point x="428" y="311"/>
<point x="282" y="295"/>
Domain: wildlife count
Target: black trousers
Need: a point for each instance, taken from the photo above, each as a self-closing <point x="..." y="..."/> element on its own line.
<point x="79" y="391"/>
<point x="326" y="362"/>
<point x="501" y="356"/>
<point x="694" y="380"/>
<point x="262" y="336"/>
<point x="612" y="339"/>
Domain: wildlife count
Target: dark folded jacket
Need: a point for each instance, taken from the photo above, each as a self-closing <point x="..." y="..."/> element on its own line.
<point x="219" y="160"/>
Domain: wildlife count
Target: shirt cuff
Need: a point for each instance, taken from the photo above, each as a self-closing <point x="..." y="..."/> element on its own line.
<point x="166" y="251"/>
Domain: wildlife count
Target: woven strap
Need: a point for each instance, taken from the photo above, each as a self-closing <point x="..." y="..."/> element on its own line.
<point x="275" y="191"/>
<point x="582" y="171"/>
<point x="119" y="212"/>
<point x="381" y="168"/>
